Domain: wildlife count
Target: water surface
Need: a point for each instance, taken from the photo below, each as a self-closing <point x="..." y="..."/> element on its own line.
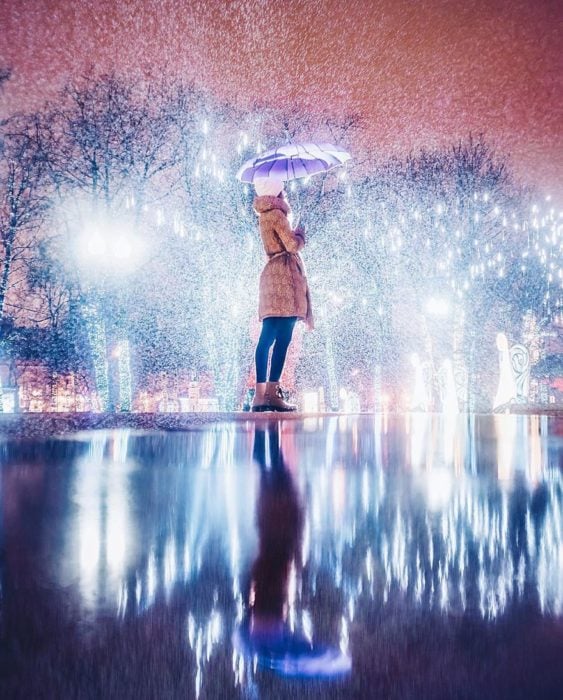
<point x="428" y="549"/>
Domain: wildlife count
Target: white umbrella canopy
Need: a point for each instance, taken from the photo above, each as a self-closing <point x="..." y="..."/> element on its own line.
<point x="293" y="161"/>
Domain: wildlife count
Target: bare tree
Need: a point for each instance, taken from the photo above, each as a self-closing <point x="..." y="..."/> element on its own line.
<point x="24" y="198"/>
<point x="51" y="283"/>
<point x="114" y="138"/>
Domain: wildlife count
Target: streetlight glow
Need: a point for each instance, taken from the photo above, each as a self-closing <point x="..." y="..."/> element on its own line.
<point x="437" y="307"/>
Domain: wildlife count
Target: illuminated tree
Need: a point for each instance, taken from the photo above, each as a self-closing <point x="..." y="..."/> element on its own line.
<point x="114" y="141"/>
<point x="391" y="243"/>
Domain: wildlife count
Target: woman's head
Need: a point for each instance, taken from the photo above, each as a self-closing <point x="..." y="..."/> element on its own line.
<point x="268" y="186"/>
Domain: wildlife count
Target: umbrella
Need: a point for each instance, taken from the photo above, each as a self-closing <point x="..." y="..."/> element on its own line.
<point x="293" y="161"/>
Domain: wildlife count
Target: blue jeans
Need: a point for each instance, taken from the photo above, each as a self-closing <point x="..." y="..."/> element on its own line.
<point x="276" y="331"/>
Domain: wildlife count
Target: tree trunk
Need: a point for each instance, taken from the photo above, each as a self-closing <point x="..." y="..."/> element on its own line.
<point x="333" y="395"/>
<point x="7" y="263"/>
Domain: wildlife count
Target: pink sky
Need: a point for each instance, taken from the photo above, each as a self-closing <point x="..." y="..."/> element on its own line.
<point x="420" y="73"/>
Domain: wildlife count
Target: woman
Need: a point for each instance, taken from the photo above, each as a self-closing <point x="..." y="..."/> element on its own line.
<point x="284" y="293"/>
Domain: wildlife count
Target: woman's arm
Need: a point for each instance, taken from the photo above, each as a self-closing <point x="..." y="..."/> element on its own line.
<point x="291" y="240"/>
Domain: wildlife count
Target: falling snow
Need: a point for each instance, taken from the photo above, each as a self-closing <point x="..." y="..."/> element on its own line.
<point x="135" y="262"/>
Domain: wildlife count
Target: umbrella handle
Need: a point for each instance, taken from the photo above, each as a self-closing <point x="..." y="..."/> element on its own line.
<point x="298" y="219"/>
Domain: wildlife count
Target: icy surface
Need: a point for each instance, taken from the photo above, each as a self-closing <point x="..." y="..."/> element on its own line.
<point x="429" y="548"/>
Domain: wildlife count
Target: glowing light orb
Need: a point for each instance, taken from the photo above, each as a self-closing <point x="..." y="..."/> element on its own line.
<point x="122" y="248"/>
<point x="96" y="246"/>
<point x="437" y="307"/>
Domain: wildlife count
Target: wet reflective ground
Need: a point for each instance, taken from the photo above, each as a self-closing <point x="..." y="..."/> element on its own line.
<point x="428" y="550"/>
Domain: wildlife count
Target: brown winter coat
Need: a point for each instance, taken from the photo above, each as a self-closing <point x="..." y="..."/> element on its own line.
<point x="283" y="283"/>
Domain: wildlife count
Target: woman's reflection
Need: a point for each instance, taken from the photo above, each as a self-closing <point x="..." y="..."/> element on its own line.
<point x="280" y="515"/>
<point x="280" y="520"/>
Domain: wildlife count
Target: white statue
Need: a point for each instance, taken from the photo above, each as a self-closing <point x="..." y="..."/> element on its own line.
<point x="506" y="392"/>
<point x="520" y="359"/>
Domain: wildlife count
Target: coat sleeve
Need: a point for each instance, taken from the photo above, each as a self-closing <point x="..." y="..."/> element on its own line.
<point x="291" y="241"/>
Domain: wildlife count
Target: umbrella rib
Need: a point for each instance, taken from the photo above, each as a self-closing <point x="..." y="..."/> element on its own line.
<point x="325" y="162"/>
<point x="271" y="167"/>
<point x="308" y="152"/>
<point x="293" y="169"/>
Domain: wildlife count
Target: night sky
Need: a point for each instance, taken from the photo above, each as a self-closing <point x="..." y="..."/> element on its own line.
<point x="420" y="73"/>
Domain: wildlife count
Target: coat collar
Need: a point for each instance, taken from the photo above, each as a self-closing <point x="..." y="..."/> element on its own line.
<point x="267" y="202"/>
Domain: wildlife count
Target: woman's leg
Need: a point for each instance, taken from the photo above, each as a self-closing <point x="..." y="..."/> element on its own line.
<point x="267" y="337"/>
<point x="284" y="332"/>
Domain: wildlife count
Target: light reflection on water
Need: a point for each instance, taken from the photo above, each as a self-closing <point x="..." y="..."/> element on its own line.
<point x="457" y="514"/>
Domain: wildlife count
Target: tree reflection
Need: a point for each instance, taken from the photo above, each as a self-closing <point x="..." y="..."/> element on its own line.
<point x="353" y="517"/>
